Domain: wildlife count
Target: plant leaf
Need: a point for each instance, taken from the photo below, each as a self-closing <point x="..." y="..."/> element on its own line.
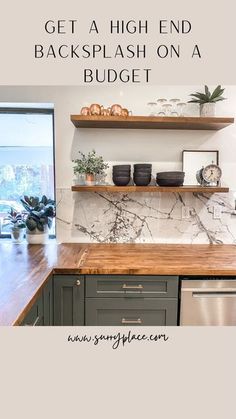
<point x="25" y="205"/>
<point x="31" y="223"/>
<point x="44" y="200"/>
<point x="200" y="102"/>
<point x="218" y="99"/>
<point x="207" y="91"/>
<point x="200" y="96"/>
<point x="36" y="214"/>
<point x="217" y="92"/>
<point x="40" y="226"/>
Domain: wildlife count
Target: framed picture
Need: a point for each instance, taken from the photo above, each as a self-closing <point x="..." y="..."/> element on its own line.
<point x="193" y="160"/>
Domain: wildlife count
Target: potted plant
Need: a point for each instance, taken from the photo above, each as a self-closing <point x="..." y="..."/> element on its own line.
<point x="39" y="218"/>
<point x="17" y="225"/>
<point x="90" y="165"/>
<point x="208" y="100"/>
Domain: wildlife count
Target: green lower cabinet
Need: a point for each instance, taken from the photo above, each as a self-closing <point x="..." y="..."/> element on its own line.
<point x="129" y="300"/>
<point x="35" y="315"/>
<point x="68" y="300"/>
<point x="131" y="312"/>
<point x="106" y="300"/>
<point x="48" y="303"/>
<point x="41" y="314"/>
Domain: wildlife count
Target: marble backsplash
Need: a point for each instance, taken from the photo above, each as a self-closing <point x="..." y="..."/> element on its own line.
<point x="144" y="217"/>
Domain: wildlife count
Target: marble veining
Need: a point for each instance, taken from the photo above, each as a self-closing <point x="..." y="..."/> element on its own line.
<point x="144" y="217"/>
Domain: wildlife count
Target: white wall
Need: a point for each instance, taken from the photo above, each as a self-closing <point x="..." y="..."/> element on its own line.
<point x="162" y="148"/>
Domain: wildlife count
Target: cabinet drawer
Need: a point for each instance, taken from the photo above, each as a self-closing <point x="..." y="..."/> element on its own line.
<point x="133" y="312"/>
<point x="128" y="286"/>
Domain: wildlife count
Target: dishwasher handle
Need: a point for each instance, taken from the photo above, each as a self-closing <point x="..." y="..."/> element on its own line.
<point x="214" y="294"/>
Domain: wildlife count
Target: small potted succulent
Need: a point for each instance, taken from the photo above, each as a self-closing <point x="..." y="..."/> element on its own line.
<point x="208" y="100"/>
<point x="40" y="213"/>
<point x="17" y="225"/>
<point x="90" y="165"/>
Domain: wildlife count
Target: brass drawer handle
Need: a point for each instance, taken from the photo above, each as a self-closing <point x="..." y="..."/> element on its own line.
<point x="131" y="321"/>
<point x="78" y="283"/>
<point x="132" y="287"/>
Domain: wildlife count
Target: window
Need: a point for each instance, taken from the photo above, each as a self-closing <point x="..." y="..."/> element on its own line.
<point x="26" y="156"/>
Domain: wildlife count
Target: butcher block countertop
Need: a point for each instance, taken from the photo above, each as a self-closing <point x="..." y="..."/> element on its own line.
<point x="24" y="269"/>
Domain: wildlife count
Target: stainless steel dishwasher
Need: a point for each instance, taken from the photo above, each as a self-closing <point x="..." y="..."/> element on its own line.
<point x="208" y="302"/>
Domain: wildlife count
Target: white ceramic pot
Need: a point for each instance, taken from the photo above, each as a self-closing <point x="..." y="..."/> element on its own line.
<point x="207" y="109"/>
<point x="36" y="236"/>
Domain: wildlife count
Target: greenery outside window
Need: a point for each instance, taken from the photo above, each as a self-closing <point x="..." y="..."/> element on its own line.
<point x="26" y="156"/>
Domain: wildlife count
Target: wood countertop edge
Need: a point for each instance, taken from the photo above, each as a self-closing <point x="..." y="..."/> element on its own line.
<point x="31" y="302"/>
<point x="50" y="272"/>
<point x="148" y="271"/>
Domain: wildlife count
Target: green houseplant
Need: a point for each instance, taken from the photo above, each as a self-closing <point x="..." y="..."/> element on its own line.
<point x="208" y="100"/>
<point x="90" y="165"/>
<point x="40" y="213"/>
<point x="17" y="225"/>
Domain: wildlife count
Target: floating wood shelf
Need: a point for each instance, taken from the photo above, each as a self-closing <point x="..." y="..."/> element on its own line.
<point x="178" y="189"/>
<point x="148" y="122"/>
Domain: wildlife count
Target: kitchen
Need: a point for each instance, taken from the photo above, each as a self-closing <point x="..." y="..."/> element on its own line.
<point x="121" y="257"/>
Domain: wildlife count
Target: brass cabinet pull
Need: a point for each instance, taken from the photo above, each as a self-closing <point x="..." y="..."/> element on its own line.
<point x="132" y="287"/>
<point x="131" y="321"/>
<point x="78" y="283"/>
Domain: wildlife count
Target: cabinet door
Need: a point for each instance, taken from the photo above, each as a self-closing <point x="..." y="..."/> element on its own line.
<point x="35" y="315"/>
<point x="68" y="300"/>
<point x="131" y="312"/>
<point x="48" y="303"/>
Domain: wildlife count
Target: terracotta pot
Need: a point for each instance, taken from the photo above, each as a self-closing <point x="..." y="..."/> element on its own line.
<point x="96" y="109"/>
<point x="90" y="179"/>
<point x="85" y="111"/>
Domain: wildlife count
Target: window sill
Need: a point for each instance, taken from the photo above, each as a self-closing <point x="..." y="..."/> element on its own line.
<point x="9" y="240"/>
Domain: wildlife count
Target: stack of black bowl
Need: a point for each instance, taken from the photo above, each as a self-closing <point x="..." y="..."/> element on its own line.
<point x="121" y="174"/>
<point x="170" y="178"/>
<point x="142" y="174"/>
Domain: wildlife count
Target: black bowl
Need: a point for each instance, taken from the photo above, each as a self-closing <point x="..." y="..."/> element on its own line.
<point x="145" y="177"/>
<point x="121" y="174"/>
<point x="121" y="181"/>
<point x="172" y="175"/>
<point x="127" y="176"/>
<point x="121" y="170"/>
<point x="138" y="166"/>
<point x="142" y="181"/>
<point x="142" y="173"/>
<point x="169" y="182"/>
<point x="122" y="167"/>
